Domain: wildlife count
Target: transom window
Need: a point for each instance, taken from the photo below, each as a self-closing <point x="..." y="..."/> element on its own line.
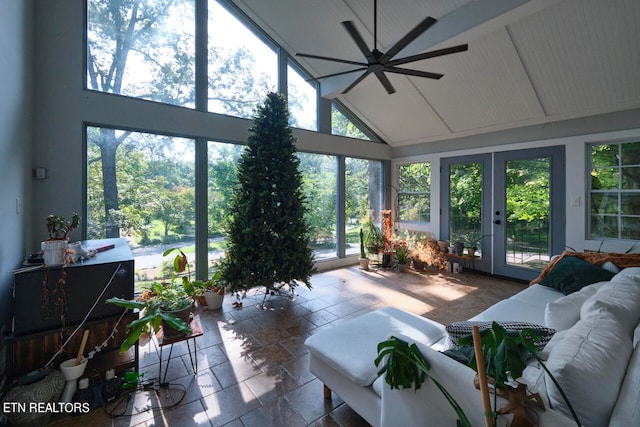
<point x="614" y="205"/>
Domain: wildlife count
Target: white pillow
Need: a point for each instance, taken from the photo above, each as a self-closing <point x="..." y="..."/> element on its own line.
<point x="620" y="297"/>
<point x="589" y="363"/>
<point x="609" y="266"/>
<point x="564" y="312"/>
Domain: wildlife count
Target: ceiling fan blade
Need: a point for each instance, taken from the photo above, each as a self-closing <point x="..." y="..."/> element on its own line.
<point x="355" y="35"/>
<point x="358" y="80"/>
<point x="327" y="58"/>
<point x="385" y="82"/>
<point x="427" y="55"/>
<point x="336" y="74"/>
<point x="408" y="38"/>
<point x="416" y="73"/>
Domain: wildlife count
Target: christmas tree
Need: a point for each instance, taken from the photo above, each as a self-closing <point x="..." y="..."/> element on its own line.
<point x="266" y="233"/>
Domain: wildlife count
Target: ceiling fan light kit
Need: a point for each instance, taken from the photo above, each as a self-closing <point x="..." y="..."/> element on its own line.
<point x="379" y="63"/>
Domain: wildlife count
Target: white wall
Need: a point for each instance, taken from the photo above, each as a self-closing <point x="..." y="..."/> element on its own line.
<point x="576" y="183"/>
<point x="15" y="142"/>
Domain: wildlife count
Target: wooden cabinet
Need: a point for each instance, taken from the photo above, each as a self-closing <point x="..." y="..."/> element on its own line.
<point x="50" y="304"/>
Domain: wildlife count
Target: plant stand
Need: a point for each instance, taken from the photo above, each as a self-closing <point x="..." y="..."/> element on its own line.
<point x="196" y="331"/>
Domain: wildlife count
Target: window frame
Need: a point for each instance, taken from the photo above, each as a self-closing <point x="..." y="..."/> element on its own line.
<point x="400" y="193"/>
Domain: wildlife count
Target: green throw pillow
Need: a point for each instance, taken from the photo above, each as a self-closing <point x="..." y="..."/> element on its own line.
<point x="571" y="274"/>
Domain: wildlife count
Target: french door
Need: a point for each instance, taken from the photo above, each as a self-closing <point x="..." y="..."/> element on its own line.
<point x="510" y="205"/>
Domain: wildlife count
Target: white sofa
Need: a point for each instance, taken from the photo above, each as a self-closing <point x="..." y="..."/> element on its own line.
<point x="594" y="355"/>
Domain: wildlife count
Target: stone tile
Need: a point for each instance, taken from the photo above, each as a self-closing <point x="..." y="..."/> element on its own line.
<point x="230" y="404"/>
<point x="235" y="371"/>
<point x="272" y="384"/>
<point x="310" y="403"/>
<point x="277" y="413"/>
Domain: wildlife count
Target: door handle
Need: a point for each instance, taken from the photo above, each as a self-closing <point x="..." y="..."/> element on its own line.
<point x="496" y="222"/>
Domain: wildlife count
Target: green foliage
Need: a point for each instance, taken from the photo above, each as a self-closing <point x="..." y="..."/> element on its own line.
<point x="404" y="366"/>
<point x="505" y="355"/>
<point x="374" y="239"/>
<point x="59" y="227"/>
<point x="266" y="233"/>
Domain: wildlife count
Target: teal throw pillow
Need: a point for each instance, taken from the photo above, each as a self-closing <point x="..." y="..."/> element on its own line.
<point x="571" y="274"/>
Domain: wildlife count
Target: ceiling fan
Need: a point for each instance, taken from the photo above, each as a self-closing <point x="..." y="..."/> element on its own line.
<point x="378" y="62"/>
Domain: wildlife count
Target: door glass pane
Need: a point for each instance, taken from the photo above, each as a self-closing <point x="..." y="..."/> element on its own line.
<point x="141" y="187"/>
<point x="527" y="215"/>
<point x="465" y="205"/>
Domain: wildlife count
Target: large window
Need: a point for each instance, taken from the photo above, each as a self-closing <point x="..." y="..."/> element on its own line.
<point x="615" y="191"/>
<point x="242" y="67"/>
<point x="414" y="197"/>
<point x="141" y="186"/>
<point x="319" y="186"/>
<point x="343" y="125"/>
<point x="142" y="49"/>
<point x="363" y="198"/>
<point x="302" y="100"/>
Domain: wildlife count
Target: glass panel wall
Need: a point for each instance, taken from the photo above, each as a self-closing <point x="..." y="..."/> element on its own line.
<point x="142" y="49"/>
<point x="342" y="125"/>
<point x="363" y="198"/>
<point x="242" y="67"/>
<point x="319" y="174"/>
<point x="222" y="168"/>
<point x="141" y="186"/>
<point x="302" y="99"/>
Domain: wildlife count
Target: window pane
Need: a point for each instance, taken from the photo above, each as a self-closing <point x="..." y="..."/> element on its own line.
<point x="631" y="227"/>
<point x="604" y="226"/>
<point x="415" y="207"/>
<point x="415" y="177"/>
<point x="149" y="56"/>
<point x="341" y="125"/>
<point x="604" y="179"/>
<point x="630" y="203"/>
<point x="465" y="216"/>
<point x="363" y="198"/>
<point x="631" y="154"/>
<point x="141" y="186"/>
<point x="222" y="165"/>
<point x="302" y="99"/>
<point x="319" y="185"/>
<point x="630" y="178"/>
<point x="605" y="155"/>
<point x="603" y="203"/>
<point x="242" y="68"/>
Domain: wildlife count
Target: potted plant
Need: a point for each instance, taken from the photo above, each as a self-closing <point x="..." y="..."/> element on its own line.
<point x="54" y="249"/>
<point x="165" y="304"/>
<point x="374" y="239"/>
<point x="364" y="261"/>
<point x="169" y="304"/>
<point x="402" y="257"/>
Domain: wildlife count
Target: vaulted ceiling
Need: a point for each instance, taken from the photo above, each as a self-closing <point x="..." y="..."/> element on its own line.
<point x="530" y="62"/>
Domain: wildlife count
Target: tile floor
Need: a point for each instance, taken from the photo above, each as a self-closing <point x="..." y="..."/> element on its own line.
<point x="253" y="366"/>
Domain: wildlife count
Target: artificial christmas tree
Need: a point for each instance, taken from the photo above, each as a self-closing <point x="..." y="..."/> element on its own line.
<point x="266" y="233"/>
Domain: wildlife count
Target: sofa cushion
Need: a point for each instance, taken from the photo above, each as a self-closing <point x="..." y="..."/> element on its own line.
<point x="458" y="330"/>
<point x="627" y="411"/>
<point x="509" y="309"/>
<point x="352" y="347"/>
<point x="589" y="363"/>
<point x="564" y="312"/>
<point x="571" y="274"/>
<point x="619" y="297"/>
